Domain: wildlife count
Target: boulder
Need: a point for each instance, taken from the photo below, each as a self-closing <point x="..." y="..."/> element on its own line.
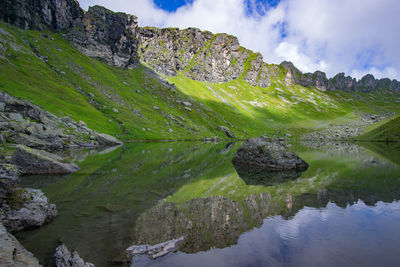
<point x="64" y="258"/>
<point x="12" y="253"/>
<point x="35" y="211"/>
<point x="33" y="161"/>
<point x="226" y="131"/>
<point x="270" y="156"/>
<point x="107" y="140"/>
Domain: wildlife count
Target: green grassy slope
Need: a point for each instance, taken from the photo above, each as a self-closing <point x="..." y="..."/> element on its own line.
<point x="389" y="131"/>
<point x="137" y="104"/>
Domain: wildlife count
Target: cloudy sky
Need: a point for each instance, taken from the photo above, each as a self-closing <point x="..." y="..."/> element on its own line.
<point x="351" y="36"/>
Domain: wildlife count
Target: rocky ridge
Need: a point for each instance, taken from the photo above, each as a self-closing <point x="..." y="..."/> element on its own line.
<point x="24" y="123"/>
<point x="339" y="82"/>
<point x="117" y="39"/>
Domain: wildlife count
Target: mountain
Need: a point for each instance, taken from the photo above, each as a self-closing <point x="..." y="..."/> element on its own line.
<point x="148" y="83"/>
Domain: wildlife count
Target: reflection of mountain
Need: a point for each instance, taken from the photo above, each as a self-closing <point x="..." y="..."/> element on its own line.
<point x="342" y="175"/>
<point x="255" y="176"/>
<point x="99" y="205"/>
<point x="206" y="223"/>
<point x="117" y="199"/>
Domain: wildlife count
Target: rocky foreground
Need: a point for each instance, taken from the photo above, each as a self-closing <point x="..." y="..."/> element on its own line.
<point x="34" y="135"/>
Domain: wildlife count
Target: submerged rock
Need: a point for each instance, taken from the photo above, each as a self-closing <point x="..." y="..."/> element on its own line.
<point x="271" y="156"/>
<point x="34" y="212"/>
<point x="64" y="258"/>
<point x="156" y="251"/>
<point x="33" y="161"/>
<point x="12" y="253"/>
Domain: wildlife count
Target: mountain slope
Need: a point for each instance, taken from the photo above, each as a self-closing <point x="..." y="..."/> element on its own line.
<point x="148" y="83"/>
<point x="388" y="131"/>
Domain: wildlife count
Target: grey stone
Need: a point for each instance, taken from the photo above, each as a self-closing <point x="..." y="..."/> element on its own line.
<point x="107" y="140"/>
<point x="64" y="258"/>
<point x="12" y="253"/>
<point x="16" y="117"/>
<point x="33" y="161"/>
<point x="264" y="154"/>
<point x="187" y="104"/>
<point x="188" y="109"/>
<point x="35" y="211"/>
<point x="2" y="139"/>
<point x="226" y="131"/>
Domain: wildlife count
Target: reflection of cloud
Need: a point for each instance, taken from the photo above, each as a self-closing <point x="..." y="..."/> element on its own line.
<point x="352" y="36"/>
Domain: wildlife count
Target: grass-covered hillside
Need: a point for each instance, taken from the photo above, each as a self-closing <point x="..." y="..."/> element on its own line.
<point x="47" y="70"/>
<point x="385" y="131"/>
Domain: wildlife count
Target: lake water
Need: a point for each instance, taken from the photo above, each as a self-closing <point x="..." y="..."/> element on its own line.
<point x="343" y="211"/>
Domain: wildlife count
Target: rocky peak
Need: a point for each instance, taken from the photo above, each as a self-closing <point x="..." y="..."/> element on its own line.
<point x="108" y="36"/>
<point x="339" y="82"/>
<point x="41" y="14"/>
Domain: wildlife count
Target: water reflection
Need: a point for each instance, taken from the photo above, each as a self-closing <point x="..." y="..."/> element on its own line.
<point x="254" y="176"/>
<point x="151" y="193"/>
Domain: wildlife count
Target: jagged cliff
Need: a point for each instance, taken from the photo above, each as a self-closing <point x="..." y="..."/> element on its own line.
<point x="200" y="55"/>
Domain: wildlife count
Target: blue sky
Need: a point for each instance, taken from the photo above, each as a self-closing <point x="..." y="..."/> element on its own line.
<point x="352" y="36"/>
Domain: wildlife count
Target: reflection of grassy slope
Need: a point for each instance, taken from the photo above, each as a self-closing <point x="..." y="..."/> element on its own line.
<point x="390" y="151"/>
<point x="118" y="186"/>
<point x="331" y="171"/>
<point x="389" y="131"/>
<point x="70" y="83"/>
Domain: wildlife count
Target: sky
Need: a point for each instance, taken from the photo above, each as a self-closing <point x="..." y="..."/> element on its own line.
<point x="351" y="36"/>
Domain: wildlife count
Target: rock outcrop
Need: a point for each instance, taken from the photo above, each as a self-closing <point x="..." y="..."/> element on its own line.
<point x="64" y="258"/>
<point x="33" y="161"/>
<point x="107" y="36"/>
<point x="24" y="123"/>
<point x="35" y="211"/>
<point x="202" y="56"/>
<point x="340" y="82"/>
<point x="98" y="33"/>
<point x="12" y="253"/>
<point x="268" y="155"/>
<point x="41" y="14"/>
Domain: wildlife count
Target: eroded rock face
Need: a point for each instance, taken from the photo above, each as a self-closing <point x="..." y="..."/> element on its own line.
<point x="107" y="36"/>
<point x="64" y="258"/>
<point x="41" y="14"/>
<point x="33" y="161"/>
<point x="270" y="156"/>
<point x="35" y="211"/>
<point x="202" y="56"/>
<point x="12" y="253"/>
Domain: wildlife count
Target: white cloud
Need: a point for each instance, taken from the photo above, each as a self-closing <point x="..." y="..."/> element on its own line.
<point x="351" y="36"/>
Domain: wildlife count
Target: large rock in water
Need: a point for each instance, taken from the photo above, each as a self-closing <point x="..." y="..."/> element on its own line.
<point x="12" y="253"/>
<point x="34" y="212"/>
<point x="33" y="161"/>
<point x="271" y="156"/>
<point x="64" y="258"/>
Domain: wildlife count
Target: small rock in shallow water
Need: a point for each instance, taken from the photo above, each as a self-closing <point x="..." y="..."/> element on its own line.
<point x="64" y="258"/>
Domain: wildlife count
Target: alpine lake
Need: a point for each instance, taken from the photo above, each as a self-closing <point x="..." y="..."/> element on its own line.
<point x="344" y="210"/>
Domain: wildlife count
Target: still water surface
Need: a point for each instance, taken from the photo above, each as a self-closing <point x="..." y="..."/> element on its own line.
<point x="343" y="211"/>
